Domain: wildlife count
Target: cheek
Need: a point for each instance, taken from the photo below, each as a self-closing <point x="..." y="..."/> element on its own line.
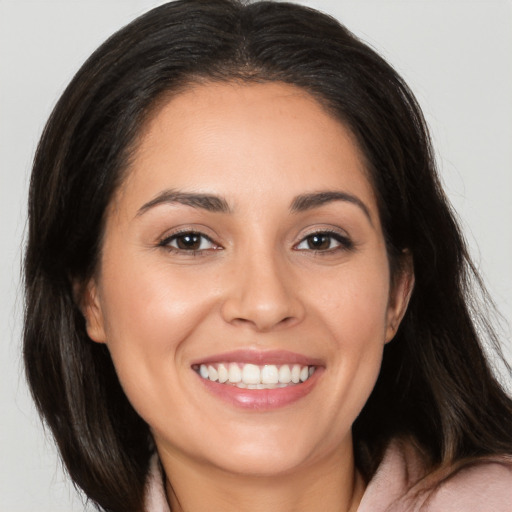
<point x="354" y="310"/>
<point x="147" y="318"/>
<point x="154" y="308"/>
<point x="354" y="303"/>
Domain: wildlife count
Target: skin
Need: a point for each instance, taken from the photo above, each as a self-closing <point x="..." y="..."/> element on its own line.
<point x="254" y="283"/>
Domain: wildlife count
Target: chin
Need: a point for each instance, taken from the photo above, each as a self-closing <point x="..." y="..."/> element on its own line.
<point x="273" y="453"/>
<point x="262" y="462"/>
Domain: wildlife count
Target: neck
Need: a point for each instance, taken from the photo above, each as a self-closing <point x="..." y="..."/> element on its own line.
<point x="330" y="485"/>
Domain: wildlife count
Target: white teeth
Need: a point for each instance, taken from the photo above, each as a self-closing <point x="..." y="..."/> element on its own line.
<point x="203" y="371"/>
<point x="252" y="376"/>
<point x="285" y="375"/>
<point x="213" y="373"/>
<point x="270" y="374"/>
<point x="223" y="373"/>
<point x="296" y="373"/>
<point x="234" y="373"/>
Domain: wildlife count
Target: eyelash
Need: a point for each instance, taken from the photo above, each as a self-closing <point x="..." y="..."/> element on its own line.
<point x="166" y="243"/>
<point x="345" y="244"/>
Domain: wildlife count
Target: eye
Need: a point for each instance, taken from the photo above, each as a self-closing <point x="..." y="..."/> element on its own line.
<point x="189" y="241"/>
<point x="324" y="241"/>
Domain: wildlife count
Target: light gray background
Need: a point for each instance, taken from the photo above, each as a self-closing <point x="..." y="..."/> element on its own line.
<point x="456" y="56"/>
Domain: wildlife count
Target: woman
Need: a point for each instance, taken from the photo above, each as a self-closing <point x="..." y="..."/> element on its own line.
<point x="243" y="278"/>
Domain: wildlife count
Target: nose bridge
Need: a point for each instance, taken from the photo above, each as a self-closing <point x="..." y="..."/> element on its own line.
<point x="262" y="292"/>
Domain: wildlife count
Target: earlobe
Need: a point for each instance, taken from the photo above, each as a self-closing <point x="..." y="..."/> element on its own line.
<point x="90" y="304"/>
<point x="400" y="295"/>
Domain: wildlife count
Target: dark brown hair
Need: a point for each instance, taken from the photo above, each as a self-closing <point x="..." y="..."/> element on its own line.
<point x="435" y="386"/>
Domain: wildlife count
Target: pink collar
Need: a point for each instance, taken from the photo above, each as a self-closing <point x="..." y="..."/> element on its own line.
<point x="483" y="486"/>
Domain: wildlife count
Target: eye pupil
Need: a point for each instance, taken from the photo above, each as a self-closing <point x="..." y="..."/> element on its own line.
<point x="189" y="241"/>
<point x="319" y="241"/>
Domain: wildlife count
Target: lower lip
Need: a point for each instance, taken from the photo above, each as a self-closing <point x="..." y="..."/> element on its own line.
<point x="262" y="399"/>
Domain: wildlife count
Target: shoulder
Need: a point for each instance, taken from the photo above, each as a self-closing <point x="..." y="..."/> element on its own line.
<point x="402" y="484"/>
<point x="485" y="485"/>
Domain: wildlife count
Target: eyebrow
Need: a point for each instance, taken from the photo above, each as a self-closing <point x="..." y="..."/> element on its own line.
<point x="207" y="202"/>
<point x="306" y="202"/>
<point x="216" y="204"/>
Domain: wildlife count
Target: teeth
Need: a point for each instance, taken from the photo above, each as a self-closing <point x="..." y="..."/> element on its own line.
<point x="213" y="373"/>
<point x="203" y="371"/>
<point x="285" y="375"/>
<point x="296" y="374"/>
<point x="234" y="373"/>
<point x="251" y="376"/>
<point x="270" y="374"/>
<point x="223" y="373"/>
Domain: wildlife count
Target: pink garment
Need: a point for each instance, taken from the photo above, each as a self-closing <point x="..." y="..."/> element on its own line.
<point x="485" y="487"/>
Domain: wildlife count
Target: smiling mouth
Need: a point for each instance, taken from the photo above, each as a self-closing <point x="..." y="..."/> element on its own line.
<point x="252" y="376"/>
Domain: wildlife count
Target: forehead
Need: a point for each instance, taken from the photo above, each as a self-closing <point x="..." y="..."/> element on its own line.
<point x="229" y="137"/>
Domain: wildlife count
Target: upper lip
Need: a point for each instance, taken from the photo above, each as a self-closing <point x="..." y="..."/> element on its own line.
<point x="260" y="357"/>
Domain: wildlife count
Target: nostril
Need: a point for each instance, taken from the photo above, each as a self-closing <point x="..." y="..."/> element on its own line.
<point x="264" y="325"/>
<point x="263" y="298"/>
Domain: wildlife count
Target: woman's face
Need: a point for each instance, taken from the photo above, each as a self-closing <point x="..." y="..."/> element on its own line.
<point x="244" y="288"/>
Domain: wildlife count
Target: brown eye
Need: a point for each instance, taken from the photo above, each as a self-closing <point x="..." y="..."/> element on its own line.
<point x="188" y="242"/>
<point x="319" y="242"/>
<point x="324" y="242"/>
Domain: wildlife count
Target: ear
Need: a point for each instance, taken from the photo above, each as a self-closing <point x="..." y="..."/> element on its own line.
<point x="88" y="299"/>
<point x="400" y="293"/>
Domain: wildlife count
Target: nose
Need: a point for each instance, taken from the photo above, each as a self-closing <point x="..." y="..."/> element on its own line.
<point x="263" y="295"/>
